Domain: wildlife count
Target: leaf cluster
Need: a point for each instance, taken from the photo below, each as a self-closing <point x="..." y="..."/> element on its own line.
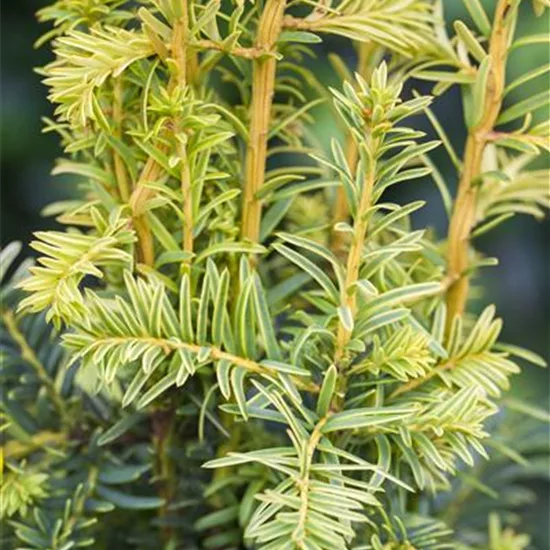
<point x="252" y="344"/>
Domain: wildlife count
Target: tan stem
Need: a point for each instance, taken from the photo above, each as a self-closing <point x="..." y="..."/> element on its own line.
<point x="263" y="86"/>
<point x="165" y="420"/>
<point x="462" y="222"/>
<point x="151" y="171"/>
<point x="138" y="202"/>
<point x="179" y="47"/>
<point x="145" y="240"/>
<point x="463" y="217"/>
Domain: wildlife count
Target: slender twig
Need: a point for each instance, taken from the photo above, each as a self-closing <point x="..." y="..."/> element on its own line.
<point x="416" y="382"/>
<point x="187" y="199"/>
<point x="349" y="292"/>
<point x="463" y="218"/>
<point x="299" y="23"/>
<point x="118" y="113"/>
<point x="303" y="482"/>
<point x="138" y="202"/>
<point x="341" y="211"/>
<point x="246" y="53"/>
<point x="539" y="141"/>
<point x="28" y="354"/>
<point x="180" y="51"/>
<point x="179" y="46"/>
<point x="163" y="421"/>
<point x="185" y="63"/>
<point x="215" y="353"/>
<point x="263" y="86"/>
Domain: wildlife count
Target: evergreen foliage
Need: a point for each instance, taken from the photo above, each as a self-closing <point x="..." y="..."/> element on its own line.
<point x="238" y="341"/>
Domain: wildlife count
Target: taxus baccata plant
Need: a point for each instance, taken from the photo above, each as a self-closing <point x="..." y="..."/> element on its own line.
<point x="239" y="340"/>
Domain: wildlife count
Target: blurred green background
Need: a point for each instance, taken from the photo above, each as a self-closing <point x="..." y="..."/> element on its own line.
<point x="519" y="285"/>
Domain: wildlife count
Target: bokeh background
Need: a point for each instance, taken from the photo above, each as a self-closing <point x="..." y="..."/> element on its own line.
<point x="519" y="285"/>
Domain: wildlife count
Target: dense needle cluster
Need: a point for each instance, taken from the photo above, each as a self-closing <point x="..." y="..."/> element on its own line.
<point x="239" y="341"/>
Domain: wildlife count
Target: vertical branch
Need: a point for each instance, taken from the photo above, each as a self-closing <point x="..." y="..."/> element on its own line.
<point x="180" y="53"/>
<point x="163" y="424"/>
<point x="263" y="85"/>
<point x="341" y="211"/>
<point x="303" y="485"/>
<point x="151" y="170"/>
<point x="349" y="298"/>
<point x="138" y="201"/>
<point x="164" y="420"/>
<point x="463" y="217"/>
<point x="118" y="113"/>
<point x="179" y="45"/>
